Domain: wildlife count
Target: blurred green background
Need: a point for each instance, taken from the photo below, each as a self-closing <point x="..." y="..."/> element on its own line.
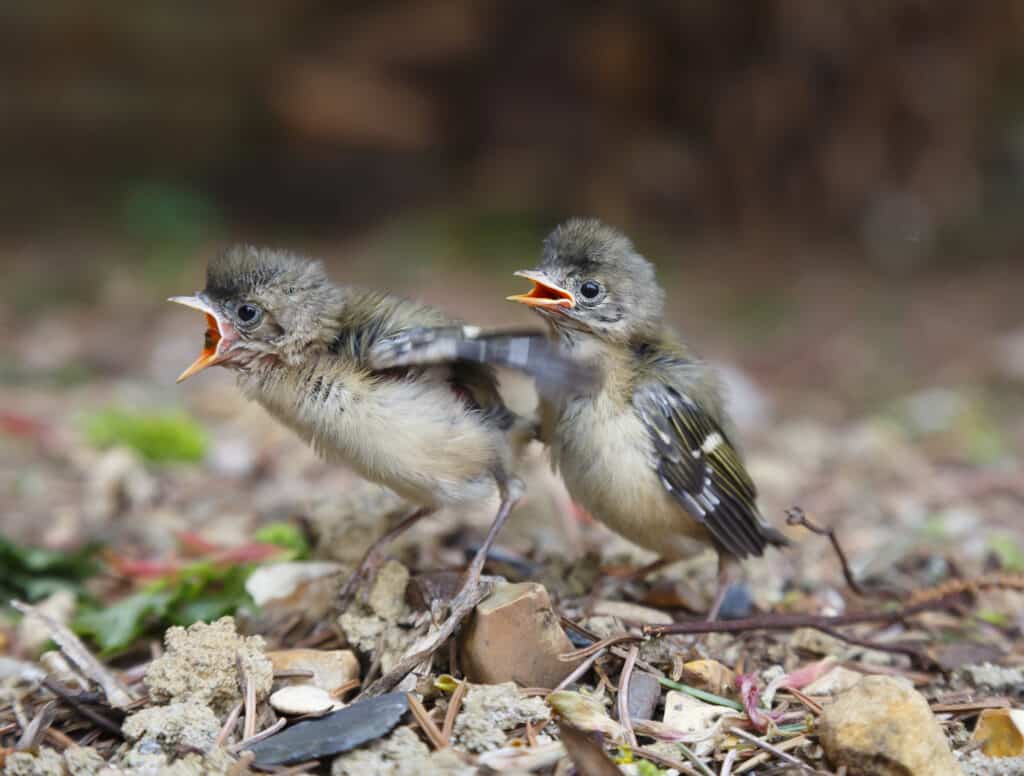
<point x="831" y="190"/>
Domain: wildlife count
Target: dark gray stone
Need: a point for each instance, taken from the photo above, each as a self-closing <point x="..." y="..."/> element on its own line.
<point x="333" y="734"/>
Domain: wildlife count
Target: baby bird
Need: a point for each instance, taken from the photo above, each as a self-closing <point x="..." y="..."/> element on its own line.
<point x="644" y="444"/>
<point x="438" y="435"/>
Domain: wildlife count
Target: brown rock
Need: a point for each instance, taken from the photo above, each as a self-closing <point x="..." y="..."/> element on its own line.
<point x="883" y="727"/>
<point x="331" y="668"/>
<point x="514" y="635"/>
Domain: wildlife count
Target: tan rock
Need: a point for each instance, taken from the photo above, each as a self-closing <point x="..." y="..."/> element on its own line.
<point x="710" y="675"/>
<point x="514" y="635"/>
<point x="883" y="727"/>
<point x="331" y="668"/>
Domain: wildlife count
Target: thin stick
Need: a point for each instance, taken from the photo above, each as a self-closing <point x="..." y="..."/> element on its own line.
<point x="791" y="621"/>
<point x="627" y="672"/>
<point x="797" y="516"/>
<point x="579" y="671"/>
<point x="425" y="647"/>
<point x="90" y="714"/>
<point x="597" y="646"/>
<point x="454" y="705"/>
<point x="425" y="722"/>
<point x="919" y="655"/>
<point x="36" y="729"/>
<point x="971" y="706"/>
<point x="229" y="725"/>
<point x="762" y="744"/>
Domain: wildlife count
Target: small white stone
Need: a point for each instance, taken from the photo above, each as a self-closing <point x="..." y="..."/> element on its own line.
<point x="301" y="699"/>
<point x="281" y="580"/>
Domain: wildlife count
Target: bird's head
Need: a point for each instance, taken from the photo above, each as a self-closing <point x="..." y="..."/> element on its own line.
<point x="592" y="281"/>
<point x="259" y="303"/>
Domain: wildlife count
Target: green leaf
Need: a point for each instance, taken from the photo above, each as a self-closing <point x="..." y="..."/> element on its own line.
<point x="285" y="535"/>
<point x="115" y="627"/>
<point x="157" y="437"/>
<point x="32" y="573"/>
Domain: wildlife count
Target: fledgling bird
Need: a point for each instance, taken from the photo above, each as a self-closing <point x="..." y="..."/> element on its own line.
<point x="646" y="447"/>
<point x="438" y="435"/>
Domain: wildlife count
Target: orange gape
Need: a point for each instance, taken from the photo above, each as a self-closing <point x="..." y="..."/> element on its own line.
<point x="209" y="354"/>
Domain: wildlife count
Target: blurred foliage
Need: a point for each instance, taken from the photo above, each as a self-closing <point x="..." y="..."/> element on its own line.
<point x="201" y="591"/>
<point x="157" y="437"/>
<point x="1009" y="552"/>
<point x="33" y="573"/>
<point x="287" y="536"/>
<point x="204" y="590"/>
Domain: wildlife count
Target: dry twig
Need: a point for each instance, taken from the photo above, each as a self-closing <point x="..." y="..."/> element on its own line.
<point x="797" y="516"/>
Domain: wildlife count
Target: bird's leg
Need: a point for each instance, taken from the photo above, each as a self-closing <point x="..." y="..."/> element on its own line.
<point x="511" y="491"/>
<point x="374" y="557"/>
<point x="729" y="573"/>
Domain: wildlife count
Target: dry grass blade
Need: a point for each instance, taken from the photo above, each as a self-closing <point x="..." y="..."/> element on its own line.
<point x="730" y="760"/>
<point x="627" y="672"/>
<point x="33" y="734"/>
<point x="229" y="725"/>
<point x="454" y="705"/>
<point x="249" y="728"/>
<point x="118" y="695"/>
<point x="267" y="733"/>
<point x="579" y="671"/>
<point x="425" y="722"/>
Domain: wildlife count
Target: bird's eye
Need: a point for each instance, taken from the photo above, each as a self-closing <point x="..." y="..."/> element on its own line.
<point x="248" y="313"/>
<point x="590" y="289"/>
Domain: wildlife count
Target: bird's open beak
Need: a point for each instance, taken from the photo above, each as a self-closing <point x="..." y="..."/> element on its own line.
<point x="220" y="335"/>
<point x="544" y="293"/>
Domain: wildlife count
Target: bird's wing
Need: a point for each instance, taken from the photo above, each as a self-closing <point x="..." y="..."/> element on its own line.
<point x="701" y="469"/>
<point x="527" y="351"/>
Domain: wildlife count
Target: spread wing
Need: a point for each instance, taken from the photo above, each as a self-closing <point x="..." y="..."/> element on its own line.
<point x="702" y="470"/>
<point x="529" y="351"/>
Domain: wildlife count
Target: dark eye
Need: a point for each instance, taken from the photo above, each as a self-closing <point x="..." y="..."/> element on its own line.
<point x="590" y="289"/>
<point x="248" y="313"/>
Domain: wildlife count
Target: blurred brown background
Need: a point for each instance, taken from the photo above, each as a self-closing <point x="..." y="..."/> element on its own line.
<point x="831" y="190"/>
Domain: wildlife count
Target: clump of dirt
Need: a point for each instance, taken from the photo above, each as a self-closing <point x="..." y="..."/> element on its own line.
<point x="206" y="664"/>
